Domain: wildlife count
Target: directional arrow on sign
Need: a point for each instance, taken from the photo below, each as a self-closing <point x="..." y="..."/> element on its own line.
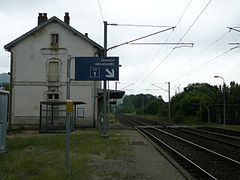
<point x="110" y="74"/>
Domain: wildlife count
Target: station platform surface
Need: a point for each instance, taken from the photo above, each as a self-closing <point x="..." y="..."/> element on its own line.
<point x="149" y="163"/>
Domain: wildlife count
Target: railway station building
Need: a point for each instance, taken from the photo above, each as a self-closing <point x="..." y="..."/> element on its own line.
<point x="39" y="74"/>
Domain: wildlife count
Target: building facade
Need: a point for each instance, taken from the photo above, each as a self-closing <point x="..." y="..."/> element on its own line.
<point x="39" y="71"/>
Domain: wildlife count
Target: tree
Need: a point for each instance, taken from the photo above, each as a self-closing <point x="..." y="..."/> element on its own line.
<point x="139" y="103"/>
<point x="233" y="93"/>
<point x="193" y="102"/>
<point x="191" y="105"/>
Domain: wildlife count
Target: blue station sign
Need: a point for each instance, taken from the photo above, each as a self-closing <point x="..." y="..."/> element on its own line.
<point x="96" y="68"/>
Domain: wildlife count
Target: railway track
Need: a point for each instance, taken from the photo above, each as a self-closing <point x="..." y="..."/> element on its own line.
<point x="227" y="147"/>
<point x="205" y="155"/>
<point x="133" y="121"/>
<point x="217" y="137"/>
<point x="221" y="131"/>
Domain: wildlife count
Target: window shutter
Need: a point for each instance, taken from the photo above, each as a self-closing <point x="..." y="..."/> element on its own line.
<point x="53" y="71"/>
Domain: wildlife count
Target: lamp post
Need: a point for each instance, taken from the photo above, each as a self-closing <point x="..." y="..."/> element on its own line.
<point x="224" y="102"/>
<point x="169" y="103"/>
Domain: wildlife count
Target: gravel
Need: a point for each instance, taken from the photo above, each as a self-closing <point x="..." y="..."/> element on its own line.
<point x="141" y="162"/>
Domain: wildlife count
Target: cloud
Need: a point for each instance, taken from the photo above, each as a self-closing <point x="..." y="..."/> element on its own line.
<point x="138" y="62"/>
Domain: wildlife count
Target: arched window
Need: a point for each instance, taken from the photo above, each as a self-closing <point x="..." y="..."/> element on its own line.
<point x="53" y="71"/>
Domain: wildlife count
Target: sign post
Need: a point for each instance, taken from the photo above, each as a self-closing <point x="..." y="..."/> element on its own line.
<point x="68" y="124"/>
<point x="98" y="69"/>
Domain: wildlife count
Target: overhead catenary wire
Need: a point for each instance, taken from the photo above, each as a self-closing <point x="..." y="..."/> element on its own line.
<point x="143" y="37"/>
<point x="155" y="55"/>
<point x="127" y="86"/>
<point x="139" y="25"/>
<point x="190" y="27"/>
<point x="170" y="43"/>
<point x="204" y="64"/>
<point x="100" y="9"/>
<point x="198" y="54"/>
<point x="234" y="43"/>
<point x="184" y="11"/>
<point x="234" y="29"/>
<point x="203" y="50"/>
<point x="152" y="59"/>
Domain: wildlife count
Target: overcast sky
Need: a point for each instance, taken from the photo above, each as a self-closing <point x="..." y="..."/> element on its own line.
<point x="202" y="22"/>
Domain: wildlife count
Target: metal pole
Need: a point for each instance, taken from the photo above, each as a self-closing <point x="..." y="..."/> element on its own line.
<point x="94" y="104"/>
<point x="169" y="103"/>
<point x="108" y="104"/>
<point x="116" y="108"/>
<point x="67" y="155"/>
<point x="105" y="122"/>
<point x="224" y="103"/>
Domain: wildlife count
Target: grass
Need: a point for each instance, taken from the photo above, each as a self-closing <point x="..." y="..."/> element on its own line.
<point x="42" y="156"/>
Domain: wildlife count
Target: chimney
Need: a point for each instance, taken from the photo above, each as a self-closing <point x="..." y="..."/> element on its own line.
<point x="42" y="17"/>
<point x="45" y="18"/>
<point x="67" y="18"/>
